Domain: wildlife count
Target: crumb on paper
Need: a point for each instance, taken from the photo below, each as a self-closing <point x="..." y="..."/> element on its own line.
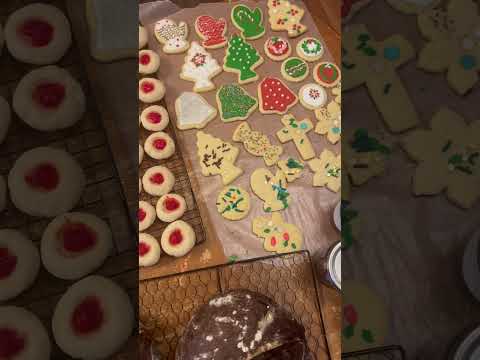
<point x="206" y="256"/>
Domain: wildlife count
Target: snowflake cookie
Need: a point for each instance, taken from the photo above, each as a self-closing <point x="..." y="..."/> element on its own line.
<point x="242" y="58"/>
<point x="327" y="169"/>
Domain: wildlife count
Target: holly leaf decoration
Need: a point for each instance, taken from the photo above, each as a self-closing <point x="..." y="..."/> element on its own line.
<point x="362" y="142"/>
<point x="348" y="331"/>
<point x="367" y="336"/>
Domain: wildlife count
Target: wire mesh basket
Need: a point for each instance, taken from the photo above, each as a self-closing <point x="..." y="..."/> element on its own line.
<point x="380" y="353"/>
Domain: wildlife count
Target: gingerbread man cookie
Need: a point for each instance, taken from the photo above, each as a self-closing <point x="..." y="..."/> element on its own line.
<point x="286" y="17"/>
<point x="279" y="236"/>
<point x="330" y="121"/>
<point x="271" y="189"/>
<point x="327" y="169"/>
<point x="248" y="21"/>
<point x="212" y="31"/>
<point x="275" y="97"/>
<point x="292" y="168"/>
<point x="235" y="103"/>
<point x="297" y="131"/>
<point x="172" y="36"/>
<point x="242" y="58"/>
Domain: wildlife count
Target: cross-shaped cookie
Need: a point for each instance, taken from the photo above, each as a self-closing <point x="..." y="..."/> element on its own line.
<point x="298" y="132"/>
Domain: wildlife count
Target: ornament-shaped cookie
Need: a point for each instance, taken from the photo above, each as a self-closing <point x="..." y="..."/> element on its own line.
<point x="278" y="236"/>
<point x="272" y="189"/>
<point x="242" y="58"/>
<point x="172" y="36"/>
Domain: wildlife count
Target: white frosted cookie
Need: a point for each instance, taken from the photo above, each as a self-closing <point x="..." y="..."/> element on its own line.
<point x="193" y="111"/>
<point x="154" y="118"/>
<point x="159" y="145"/>
<point x="46" y="181"/>
<point x="75" y="244"/>
<point x="158" y="181"/>
<point x="38" y="34"/>
<point x="148" y="62"/>
<point x="178" y="239"/>
<point x="312" y="96"/>
<point x="150" y="90"/>
<point x="172" y="36"/>
<point x="3" y="193"/>
<point x="140" y="154"/>
<point x="171" y="207"/>
<point x="148" y="250"/>
<point x="145" y="215"/>
<point x="23" y="335"/>
<point x="142" y="37"/>
<point x="310" y="49"/>
<point x="5" y="118"/>
<point x="48" y="99"/>
<point x="93" y="319"/>
<point x="19" y="263"/>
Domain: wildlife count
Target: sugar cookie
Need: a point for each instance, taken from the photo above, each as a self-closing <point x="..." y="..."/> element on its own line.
<point x="178" y="239"/>
<point x="145" y="215"/>
<point x="327" y="169"/>
<point x="150" y="90"/>
<point x="242" y="58"/>
<point x="297" y="131"/>
<point x="248" y="21"/>
<point x="193" y="111"/>
<point x="5" y="118"/>
<point x="171" y="207"/>
<point x="277" y="48"/>
<point x="233" y="203"/>
<point x="310" y="49"/>
<point x="140" y="154"/>
<point x="142" y="37"/>
<point x="278" y="236"/>
<point x="211" y="31"/>
<point x="172" y="36"/>
<point x="275" y="97"/>
<point x="149" y="251"/>
<point x="235" y="103"/>
<point x="286" y="17"/>
<point x="154" y="118"/>
<point x="159" y="146"/>
<point x="158" y="181"/>
<point x="413" y="6"/>
<point x="312" y="96"/>
<point x="3" y="194"/>
<point x="292" y="168"/>
<point x="271" y="189"/>
<point x="329" y="122"/>
<point x="139" y="185"/>
<point x="148" y="62"/>
<point x="327" y="74"/>
<point x="350" y="7"/>
<point x="294" y="69"/>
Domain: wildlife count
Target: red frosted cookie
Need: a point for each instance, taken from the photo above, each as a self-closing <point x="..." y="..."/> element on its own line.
<point x="275" y="97"/>
<point x="277" y="48"/>
<point x="171" y="207"/>
<point x="145" y="215"/>
<point x="154" y="118"/>
<point x="148" y="250"/>
<point x="178" y="238"/>
<point x="159" y="146"/>
<point x="212" y="31"/>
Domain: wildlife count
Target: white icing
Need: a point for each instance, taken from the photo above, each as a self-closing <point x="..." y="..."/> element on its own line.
<point x="311" y="101"/>
<point x="221" y="301"/>
<point x="200" y="74"/>
<point x="193" y="110"/>
<point x="172" y="36"/>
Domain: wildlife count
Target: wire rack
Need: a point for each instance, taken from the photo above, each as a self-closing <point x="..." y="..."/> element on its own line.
<point x="381" y="353"/>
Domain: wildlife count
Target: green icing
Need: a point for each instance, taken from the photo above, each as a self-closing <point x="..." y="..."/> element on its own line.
<point x="311" y="47"/>
<point x="249" y="21"/>
<point x="295" y="67"/>
<point x="294" y="164"/>
<point x="235" y="102"/>
<point x="241" y="56"/>
<point x="362" y="142"/>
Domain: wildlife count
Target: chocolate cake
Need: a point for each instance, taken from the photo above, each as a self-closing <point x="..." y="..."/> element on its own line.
<point x="242" y="325"/>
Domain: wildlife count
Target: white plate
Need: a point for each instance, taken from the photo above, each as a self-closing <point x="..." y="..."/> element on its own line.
<point x="471" y="266"/>
<point x="469" y="348"/>
<point x="337" y="217"/>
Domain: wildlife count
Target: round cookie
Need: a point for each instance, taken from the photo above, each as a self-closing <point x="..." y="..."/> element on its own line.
<point x="148" y="250"/>
<point x="277" y="48"/>
<point x="154" y="118"/>
<point x="148" y="62"/>
<point x="150" y="90"/>
<point x="38" y="34"/>
<point x="93" y="319"/>
<point x="171" y="207"/>
<point x="294" y="69"/>
<point x="46" y="181"/>
<point x="139" y="186"/>
<point x="3" y="194"/>
<point x="312" y="96"/>
<point x="48" y="99"/>
<point x="5" y="118"/>
<point x="327" y="74"/>
<point x="159" y="145"/>
<point x="145" y="215"/>
<point x="178" y="239"/>
<point x="75" y="244"/>
<point x="233" y="203"/>
<point x="22" y="335"/>
<point x="19" y="263"/>
<point x="158" y="181"/>
<point x="310" y="49"/>
<point x="142" y="37"/>
<point x="140" y="154"/>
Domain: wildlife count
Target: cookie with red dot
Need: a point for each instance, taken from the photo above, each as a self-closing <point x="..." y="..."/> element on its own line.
<point x="154" y="118"/>
<point x="150" y="90"/>
<point x="19" y="264"/>
<point x="277" y="48"/>
<point x="158" y="181"/>
<point x="139" y="186"/>
<point x="145" y="215"/>
<point x="38" y="34"/>
<point x="93" y="319"/>
<point x="142" y="37"/>
<point x="5" y="118"/>
<point x="171" y="207"/>
<point x="48" y="99"/>
<point x="148" y="250"/>
<point x="159" y="146"/>
<point x="75" y="244"/>
<point x="275" y="97"/>
<point x="327" y="74"/>
<point x="178" y="239"/>
<point x="46" y="181"/>
<point x="148" y="62"/>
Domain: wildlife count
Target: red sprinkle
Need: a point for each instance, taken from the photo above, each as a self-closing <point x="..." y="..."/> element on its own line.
<point x="157" y="178"/>
<point x="171" y="204"/>
<point x="49" y="95"/>
<point x="141" y="214"/>
<point x="143" y="249"/>
<point x="147" y="86"/>
<point x="273" y="241"/>
<point x="77" y="237"/>
<point x="36" y="32"/>
<point x="8" y="263"/>
<point x="159" y="143"/>
<point x="176" y="237"/>
<point x="87" y="316"/>
<point x="144" y="59"/>
<point x="12" y="343"/>
<point x="154" y="117"/>
<point x="286" y="236"/>
<point x="43" y="177"/>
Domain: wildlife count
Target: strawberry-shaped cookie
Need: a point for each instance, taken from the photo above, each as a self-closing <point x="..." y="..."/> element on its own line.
<point x="212" y="31"/>
<point x="275" y="97"/>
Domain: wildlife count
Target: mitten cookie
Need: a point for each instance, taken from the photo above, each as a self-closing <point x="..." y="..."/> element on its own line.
<point x="212" y="31"/>
<point x="172" y="36"/>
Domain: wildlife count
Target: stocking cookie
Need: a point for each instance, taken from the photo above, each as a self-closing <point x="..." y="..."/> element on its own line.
<point x="248" y="21"/>
<point x="327" y="169"/>
<point x="233" y="203"/>
<point x="327" y="74"/>
<point x="351" y="7"/>
<point x="312" y="96"/>
<point x="297" y="131"/>
<point x="294" y="69"/>
<point x="150" y="90"/>
<point x="212" y="31"/>
<point x="148" y="62"/>
<point x="158" y="181"/>
<point x="178" y="239"/>
<point x="257" y="144"/>
<point x="154" y="118"/>
<point x="275" y="97"/>
<point x="159" y="145"/>
<point x="330" y="122"/>
<point x="292" y="168"/>
<point x="279" y="236"/>
<point x="148" y="250"/>
<point x="217" y="157"/>
<point x="200" y="67"/>
<point x="235" y="103"/>
<point x="145" y="215"/>
<point x="171" y="207"/>
<point x="277" y="48"/>
<point x="242" y="58"/>
<point x="374" y="63"/>
<point x="172" y="36"/>
<point x="193" y="111"/>
<point x="286" y="17"/>
<point x="310" y="49"/>
<point x="413" y="6"/>
<point x="271" y="189"/>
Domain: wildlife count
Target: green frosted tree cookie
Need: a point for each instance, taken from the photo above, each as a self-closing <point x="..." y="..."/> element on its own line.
<point x="235" y="103"/>
<point x="248" y="21"/>
<point x="242" y="58"/>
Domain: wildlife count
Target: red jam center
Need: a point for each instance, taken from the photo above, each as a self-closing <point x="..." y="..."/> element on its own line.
<point x="154" y="117"/>
<point x="159" y="143"/>
<point x="87" y="316"/>
<point x="49" y="95"/>
<point x="171" y="204"/>
<point x="36" y="32"/>
<point x="43" y="177"/>
<point x="11" y="343"/>
<point x="141" y="214"/>
<point x="147" y="86"/>
<point x="157" y="178"/>
<point x="176" y="237"/>
<point x="77" y="237"/>
<point x="143" y="248"/>
<point x="8" y="263"/>
<point x="144" y="59"/>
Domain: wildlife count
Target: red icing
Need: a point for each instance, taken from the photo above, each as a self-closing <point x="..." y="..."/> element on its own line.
<point x="175" y="237"/>
<point x="141" y="214"/>
<point x="77" y="237"/>
<point x="147" y="86"/>
<point x="286" y="236"/>
<point x="275" y="96"/>
<point x="273" y="241"/>
<point x="171" y="204"/>
<point x="154" y="117"/>
<point x="8" y="263"/>
<point x="157" y="178"/>
<point x="143" y="249"/>
<point x="159" y="143"/>
<point x="277" y="46"/>
<point x="12" y="343"/>
<point x="350" y="314"/>
<point x="212" y="30"/>
<point x="49" y="95"/>
<point x="36" y="32"/>
<point x="144" y="59"/>
<point x="87" y="316"/>
<point x="43" y="177"/>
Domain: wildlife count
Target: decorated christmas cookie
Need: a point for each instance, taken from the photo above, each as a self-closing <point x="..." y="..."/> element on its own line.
<point x="329" y="121"/>
<point x="5" y="118"/>
<point x="148" y="62"/>
<point x="142" y="37"/>
<point x="193" y="111"/>
<point x="277" y="48"/>
<point x="310" y="49"/>
<point x="235" y="103"/>
<point x="248" y="21"/>
<point x="413" y="6"/>
<point x="212" y="31"/>
<point x="150" y="90"/>
<point x="145" y="215"/>
<point x="178" y="239"/>
<point x="279" y="236"/>
<point x="154" y="118"/>
<point x="242" y="58"/>
<point x="448" y="157"/>
<point x="327" y="74"/>
<point x="257" y="144"/>
<point x="158" y="181"/>
<point x="149" y="250"/>
<point x="286" y="17"/>
<point x="233" y="203"/>
<point x="159" y="145"/>
<point x="200" y="67"/>
<point x="272" y="189"/>
<point x="292" y="168"/>
<point x="275" y="97"/>
<point x="312" y="96"/>
<point x="351" y="7"/>
<point x="294" y="69"/>
<point x="171" y="207"/>
<point x="327" y="169"/>
<point x="172" y="36"/>
<point x="140" y="154"/>
<point x="297" y="131"/>
<point x="217" y="157"/>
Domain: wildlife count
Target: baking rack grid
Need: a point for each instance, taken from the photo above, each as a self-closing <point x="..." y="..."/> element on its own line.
<point x="393" y="352"/>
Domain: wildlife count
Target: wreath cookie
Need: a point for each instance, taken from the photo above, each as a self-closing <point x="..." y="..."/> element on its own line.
<point x="233" y="203"/>
<point x="310" y="49"/>
<point x="327" y="169"/>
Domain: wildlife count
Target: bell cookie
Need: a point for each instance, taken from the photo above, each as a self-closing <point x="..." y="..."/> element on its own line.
<point x="171" y="207"/>
<point x="235" y="103"/>
<point x="278" y="236"/>
<point x="158" y="181"/>
<point x="294" y="69"/>
<point x="172" y="36"/>
<point x="193" y="111"/>
<point x="327" y="170"/>
<point x="275" y="97"/>
<point x="178" y="239"/>
<point x="272" y="189"/>
<point x="242" y="58"/>
<point x="297" y="131"/>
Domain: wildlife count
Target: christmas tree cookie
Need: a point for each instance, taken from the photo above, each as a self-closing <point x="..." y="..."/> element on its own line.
<point x="242" y="58"/>
<point x="248" y="21"/>
<point x="275" y="97"/>
<point x="330" y="122"/>
<point x="286" y="17"/>
<point x="327" y="169"/>
<point x="235" y="103"/>
<point x="212" y="31"/>
<point x="172" y="36"/>
<point x="278" y="236"/>
<point x="297" y="131"/>
<point x="292" y="168"/>
<point x="233" y="203"/>
<point x="271" y="189"/>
